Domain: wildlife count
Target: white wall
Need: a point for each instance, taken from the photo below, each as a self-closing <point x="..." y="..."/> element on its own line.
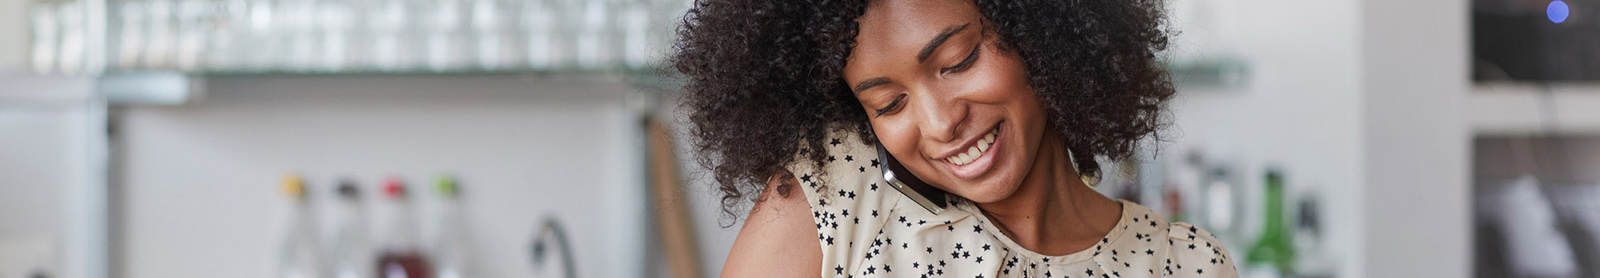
<point x="200" y="180"/>
<point x="1296" y="111"/>
<point x="704" y="200"/>
<point x="1415" y="138"/>
<point x="1357" y="100"/>
<point x="44" y="124"/>
<point x="15" y="35"/>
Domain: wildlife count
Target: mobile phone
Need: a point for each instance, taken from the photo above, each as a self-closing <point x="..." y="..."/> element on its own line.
<point x="901" y="179"/>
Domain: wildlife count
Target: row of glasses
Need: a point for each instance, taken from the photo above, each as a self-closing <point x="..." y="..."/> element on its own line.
<point x="59" y="34"/>
<point x="377" y="35"/>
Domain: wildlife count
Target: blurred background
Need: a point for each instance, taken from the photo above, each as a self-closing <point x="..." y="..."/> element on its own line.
<point x="541" y="138"/>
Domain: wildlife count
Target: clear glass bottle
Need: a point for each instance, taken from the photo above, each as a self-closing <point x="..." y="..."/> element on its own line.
<point x="452" y="251"/>
<point x="300" y="257"/>
<point x="352" y="256"/>
<point x="401" y="255"/>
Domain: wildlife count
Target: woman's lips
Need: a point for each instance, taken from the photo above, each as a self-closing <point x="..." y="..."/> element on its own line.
<point x="973" y="166"/>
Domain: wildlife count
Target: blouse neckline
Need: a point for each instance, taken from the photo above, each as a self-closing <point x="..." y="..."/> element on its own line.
<point x="1080" y="255"/>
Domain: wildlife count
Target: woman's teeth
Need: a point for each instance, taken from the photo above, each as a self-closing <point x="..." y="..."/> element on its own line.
<point x="973" y="152"/>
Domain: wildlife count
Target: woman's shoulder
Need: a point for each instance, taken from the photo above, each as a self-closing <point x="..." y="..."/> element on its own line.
<point x="848" y="177"/>
<point x="1145" y="244"/>
<point x="864" y="226"/>
<point x="1195" y="252"/>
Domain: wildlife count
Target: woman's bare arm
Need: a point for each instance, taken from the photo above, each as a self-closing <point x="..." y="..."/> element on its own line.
<point x="778" y="238"/>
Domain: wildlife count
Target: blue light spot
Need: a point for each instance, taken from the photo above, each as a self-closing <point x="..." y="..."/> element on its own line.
<point x="1557" y="11"/>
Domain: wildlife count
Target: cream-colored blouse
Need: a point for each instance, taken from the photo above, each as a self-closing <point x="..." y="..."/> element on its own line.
<point x="867" y="229"/>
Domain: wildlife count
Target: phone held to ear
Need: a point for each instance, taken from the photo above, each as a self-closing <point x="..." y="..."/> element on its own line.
<point x="901" y="179"/>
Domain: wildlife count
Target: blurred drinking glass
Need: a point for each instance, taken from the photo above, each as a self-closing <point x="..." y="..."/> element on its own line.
<point x="634" y="33"/>
<point x="541" y="21"/>
<point x="263" y="49"/>
<point x="593" y="37"/>
<point x="229" y="22"/>
<point x="298" y="24"/>
<point x="487" y="29"/>
<point x="131" y="36"/>
<point x="193" y="29"/>
<point x="388" y="25"/>
<point x="443" y="24"/>
<point x="335" y="19"/>
<point x="71" y="15"/>
<point x="159" y="39"/>
<point x="46" y="33"/>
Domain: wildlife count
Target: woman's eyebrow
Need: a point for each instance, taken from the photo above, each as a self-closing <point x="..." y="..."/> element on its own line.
<point x="864" y="85"/>
<point x="938" y="40"/>
<point x="921" y="56"/>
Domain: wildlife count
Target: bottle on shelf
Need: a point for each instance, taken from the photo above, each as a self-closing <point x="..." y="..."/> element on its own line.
<point x="401" y="255"/>
<point x="1273" y="251"/>
<point x="1222" y="189"/>
<point x="300" y="257"/>
<point x="1311" y="253"/>
<point x="452" y="250"/>
<point x="352" y="256"/>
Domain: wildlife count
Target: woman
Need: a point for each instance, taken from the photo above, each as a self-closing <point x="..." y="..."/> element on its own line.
<point x="1003" y="104"/>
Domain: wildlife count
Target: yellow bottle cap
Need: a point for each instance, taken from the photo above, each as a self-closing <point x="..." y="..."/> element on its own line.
<point x="293" y="186"/>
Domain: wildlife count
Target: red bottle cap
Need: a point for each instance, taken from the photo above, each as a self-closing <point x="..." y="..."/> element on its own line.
<point x="393" y="188"/>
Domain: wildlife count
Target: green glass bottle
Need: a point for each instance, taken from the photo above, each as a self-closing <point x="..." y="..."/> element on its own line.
<point x="1274" y="248"/>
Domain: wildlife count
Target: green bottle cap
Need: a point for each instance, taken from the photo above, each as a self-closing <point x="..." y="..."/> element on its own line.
<point x="446" y="184"/>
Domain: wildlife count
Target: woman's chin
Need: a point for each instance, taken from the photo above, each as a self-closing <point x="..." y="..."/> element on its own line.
<point x="988" y="191"/>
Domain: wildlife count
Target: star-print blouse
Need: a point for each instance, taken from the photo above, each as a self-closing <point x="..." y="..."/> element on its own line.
<point x="867" y="229"/>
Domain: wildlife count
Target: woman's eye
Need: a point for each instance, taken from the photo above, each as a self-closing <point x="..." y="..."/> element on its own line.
<point x="964" y="63"/>
<point x="891" y="107"/>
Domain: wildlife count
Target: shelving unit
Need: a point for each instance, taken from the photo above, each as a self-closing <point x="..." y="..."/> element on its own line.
<point x="1538" y="134"/>
<point x="1527" y="108"/>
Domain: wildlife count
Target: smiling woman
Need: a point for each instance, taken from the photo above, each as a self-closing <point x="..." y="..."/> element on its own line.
<point x="1004" y="105"/>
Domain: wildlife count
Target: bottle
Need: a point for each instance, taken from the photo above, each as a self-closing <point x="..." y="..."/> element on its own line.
<point x="452" y="250"/>
<point x="300" y="254"/>
<point x="401" y="256"/>
<point x="1313" y="258"/>
<point x="352" y="256"/>
<point x="1220" y="189"/>
<point x="1273" y="249"/>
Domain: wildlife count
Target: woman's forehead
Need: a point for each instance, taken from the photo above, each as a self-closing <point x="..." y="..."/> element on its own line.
<point x="898" y="29"/>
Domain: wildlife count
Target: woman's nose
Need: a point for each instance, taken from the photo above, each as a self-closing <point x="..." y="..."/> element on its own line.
<point x="940" y="116"/>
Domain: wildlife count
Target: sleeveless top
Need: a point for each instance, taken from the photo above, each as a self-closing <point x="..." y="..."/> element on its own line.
<point x="867" y="229"/>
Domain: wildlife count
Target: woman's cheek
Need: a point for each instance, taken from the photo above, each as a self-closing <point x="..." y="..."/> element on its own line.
<point x="992" y="80"/>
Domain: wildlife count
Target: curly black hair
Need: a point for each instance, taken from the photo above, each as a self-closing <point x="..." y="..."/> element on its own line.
<point x="764" y="79"/>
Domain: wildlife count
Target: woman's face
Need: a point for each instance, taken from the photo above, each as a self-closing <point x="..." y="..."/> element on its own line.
<point x="944" y="99"/>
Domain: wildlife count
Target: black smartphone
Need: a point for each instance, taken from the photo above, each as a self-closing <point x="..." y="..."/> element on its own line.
<point x="901" y="179"/>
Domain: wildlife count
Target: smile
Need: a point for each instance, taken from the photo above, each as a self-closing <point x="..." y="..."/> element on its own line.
<point x="977" y="158"/>
<point x="975" y="151"/>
